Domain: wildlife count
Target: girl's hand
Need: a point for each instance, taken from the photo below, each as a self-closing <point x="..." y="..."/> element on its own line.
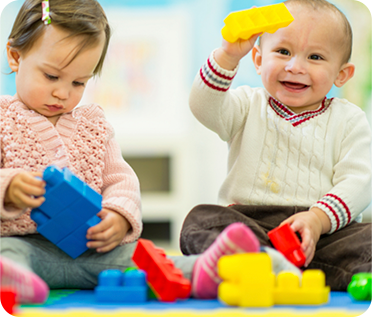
<point x="24" y="190"/>
<point x="109" y="232"/>
<point x="309" y="226"/>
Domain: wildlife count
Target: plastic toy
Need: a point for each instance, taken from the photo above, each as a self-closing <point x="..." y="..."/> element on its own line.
<point x="69" y="209"/>
<point x="286" y="241"/>
<point x="115" y="286"/>
<point x="248" y="280"/>
<point x="312" y="291"/>
<point x="8" y="299"/>
<point x="166" y="281"/>
<point x="360" y="287"/>
<point x="243" y="24"/>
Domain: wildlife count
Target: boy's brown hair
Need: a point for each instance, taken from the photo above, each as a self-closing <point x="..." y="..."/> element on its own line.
<point x="84" y="18"/>
<point x="323" y="4"/>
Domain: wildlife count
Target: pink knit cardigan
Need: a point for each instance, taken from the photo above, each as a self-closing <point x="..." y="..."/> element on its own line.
<point x="83" y="141"/>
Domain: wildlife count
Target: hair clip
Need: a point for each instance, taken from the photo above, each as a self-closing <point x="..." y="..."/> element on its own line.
<point x="46" y="12"/>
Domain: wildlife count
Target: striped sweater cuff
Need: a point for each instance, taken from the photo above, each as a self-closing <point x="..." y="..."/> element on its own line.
<point x="336" y="209"/>
<point x="215" y="76"/>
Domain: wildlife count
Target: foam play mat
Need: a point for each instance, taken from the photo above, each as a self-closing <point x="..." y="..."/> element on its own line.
<point x="82" y="303"/>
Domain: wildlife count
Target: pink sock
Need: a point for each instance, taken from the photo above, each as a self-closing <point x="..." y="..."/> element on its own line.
<point x="236" y="238"/>
<point x="29" y="287"/>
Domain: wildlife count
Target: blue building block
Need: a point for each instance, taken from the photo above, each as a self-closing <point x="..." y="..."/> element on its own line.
<point x="115" y="286"/>
<point x="69" y="210"/>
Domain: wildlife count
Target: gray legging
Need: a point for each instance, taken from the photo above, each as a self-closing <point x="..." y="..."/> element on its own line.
<point x="58" y="270"/>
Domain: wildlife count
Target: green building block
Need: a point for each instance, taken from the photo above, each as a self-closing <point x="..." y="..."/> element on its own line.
<point x="360" y="287"/>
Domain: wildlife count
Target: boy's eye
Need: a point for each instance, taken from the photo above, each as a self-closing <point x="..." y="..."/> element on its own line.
<point x="78" y="83"/>
<point x="315" y="57"/>
<point x="51" y="77"/>
<point x="283" y="52"/>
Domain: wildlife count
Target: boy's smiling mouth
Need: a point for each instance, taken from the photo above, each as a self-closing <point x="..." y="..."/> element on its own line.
<point x="294" y="86"/>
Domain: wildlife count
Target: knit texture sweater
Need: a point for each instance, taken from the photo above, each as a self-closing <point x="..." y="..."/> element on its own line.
<point x="317" y="158"/>
<point x="83" y="141"/>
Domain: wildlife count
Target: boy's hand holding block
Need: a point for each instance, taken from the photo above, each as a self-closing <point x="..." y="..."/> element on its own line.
<point x="285" y="240"/>
<point x="243" y="24"/>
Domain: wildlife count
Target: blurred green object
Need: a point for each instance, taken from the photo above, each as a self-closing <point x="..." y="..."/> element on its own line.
<point x="360" y="287"/>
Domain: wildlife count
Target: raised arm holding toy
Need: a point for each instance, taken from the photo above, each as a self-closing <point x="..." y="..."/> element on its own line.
<point x="295" y="156"/>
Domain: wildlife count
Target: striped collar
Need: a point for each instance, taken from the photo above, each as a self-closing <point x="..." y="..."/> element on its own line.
<point x="294" y="118"/>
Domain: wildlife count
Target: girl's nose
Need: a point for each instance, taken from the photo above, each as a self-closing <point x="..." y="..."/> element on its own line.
<point x="295" y="65"/>
<point x="61" y="92"/>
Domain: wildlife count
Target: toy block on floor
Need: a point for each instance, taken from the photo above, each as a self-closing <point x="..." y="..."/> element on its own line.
<point x="165" y="279"/>
<point x="69" y="210"/>
<point x="115" y="286"/>
<point x="360" y="287"/>
<point x="243" y="24"/>
<point x="312" y="290"/>
<point x="248" y="280"/>
<point x="286" y="241"/>
<point x="8" y="299"/>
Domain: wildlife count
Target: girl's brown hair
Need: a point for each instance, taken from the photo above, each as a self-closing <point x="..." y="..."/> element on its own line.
<point x="84" y="18"/>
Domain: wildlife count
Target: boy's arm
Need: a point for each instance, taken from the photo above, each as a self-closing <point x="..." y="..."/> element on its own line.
<point x="351" y="193"/>
<point x="212" y="102"/>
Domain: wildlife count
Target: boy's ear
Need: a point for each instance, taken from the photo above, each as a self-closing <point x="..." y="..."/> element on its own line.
<point x="346" y="72"/>
<point x="13" y="57"/>
<point x="257" y="58"/>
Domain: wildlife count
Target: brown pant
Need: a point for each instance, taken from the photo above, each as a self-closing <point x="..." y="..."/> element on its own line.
<point x="340" y="255"/>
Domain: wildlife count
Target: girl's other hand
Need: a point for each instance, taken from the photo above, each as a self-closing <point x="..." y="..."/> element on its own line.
<point x="108" y="234"/>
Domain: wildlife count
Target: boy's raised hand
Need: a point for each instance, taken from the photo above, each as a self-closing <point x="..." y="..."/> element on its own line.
<point x="229" y="54"/>
<point x="109" y="232"/>
<point x="26" y="190"/>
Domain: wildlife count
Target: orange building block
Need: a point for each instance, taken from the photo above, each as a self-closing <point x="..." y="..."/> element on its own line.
<point x="8" y="299"/>
<point x="167" y="282"/>
<point x="243" y="24"/>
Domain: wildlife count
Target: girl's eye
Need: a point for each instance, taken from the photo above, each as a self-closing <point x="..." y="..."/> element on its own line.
<point x="315" y="57"/>
<point x="283" y="52"/>
<point x="77" y="84"/>
<point x="51" y="77"/>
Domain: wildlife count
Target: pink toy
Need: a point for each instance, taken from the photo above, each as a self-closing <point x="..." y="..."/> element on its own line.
<point x="285" y="240"/>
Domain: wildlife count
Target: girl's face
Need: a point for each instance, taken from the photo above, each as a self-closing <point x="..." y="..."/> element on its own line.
<point x="300" y="63"/>
<point x="43" y="81"/>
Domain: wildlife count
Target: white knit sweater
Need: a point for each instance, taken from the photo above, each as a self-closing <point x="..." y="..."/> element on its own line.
<point x="316" y="158"/>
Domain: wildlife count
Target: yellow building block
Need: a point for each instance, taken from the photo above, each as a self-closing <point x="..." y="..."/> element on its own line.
<point x="313" y="290"/>
<point x="243" y="24"/>
<point x="248" y="280"/>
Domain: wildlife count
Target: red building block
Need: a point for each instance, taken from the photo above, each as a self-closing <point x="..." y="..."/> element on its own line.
<point x="166" y="280"/>
<point x="285" y="240"/>
<point x="7" y="301"/>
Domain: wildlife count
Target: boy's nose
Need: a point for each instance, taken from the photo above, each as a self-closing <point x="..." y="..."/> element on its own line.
<point x="295" y="65"/>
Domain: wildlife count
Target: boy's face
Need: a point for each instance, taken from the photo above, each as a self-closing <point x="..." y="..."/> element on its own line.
<point x="44" y="83"/>
<point x="300" y="63"/>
